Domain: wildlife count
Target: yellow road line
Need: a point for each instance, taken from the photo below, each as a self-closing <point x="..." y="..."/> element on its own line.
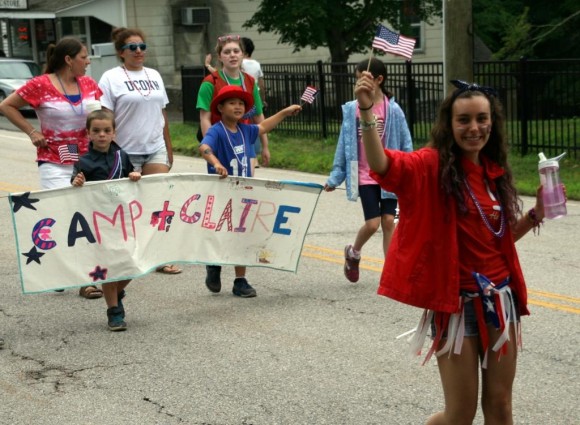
<point x="9" y="187"/>
<point x="339" y="259"/>
<point x="341" y="253"/>
<point x="554" y="296"/>
<point x="554" y="306"/>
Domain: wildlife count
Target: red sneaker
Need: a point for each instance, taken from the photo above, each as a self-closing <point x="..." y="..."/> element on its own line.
<point x="350" y="265"/>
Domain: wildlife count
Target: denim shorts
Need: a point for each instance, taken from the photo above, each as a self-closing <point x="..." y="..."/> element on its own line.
<point x="159" y="157"/>
<point x="471" y="328"/>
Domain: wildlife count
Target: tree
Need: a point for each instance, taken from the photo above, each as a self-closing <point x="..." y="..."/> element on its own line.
<point x="343" y="26"/>
<point x="532" y="28"/>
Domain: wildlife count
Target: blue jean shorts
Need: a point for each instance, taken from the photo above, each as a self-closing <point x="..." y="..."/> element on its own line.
<point x="471" y="328"/>
<point x="159" y="157"/>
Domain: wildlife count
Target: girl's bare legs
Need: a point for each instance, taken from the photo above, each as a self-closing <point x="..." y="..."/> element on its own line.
<point x="365" y="232"/>
<point x="154" y="169"/>
<point x="459" y="378"/>
<point x="497" y="382"/>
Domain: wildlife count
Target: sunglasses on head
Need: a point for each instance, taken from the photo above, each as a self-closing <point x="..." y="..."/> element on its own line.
<point x="226" y="38"/>
<point x="134" y="46"/>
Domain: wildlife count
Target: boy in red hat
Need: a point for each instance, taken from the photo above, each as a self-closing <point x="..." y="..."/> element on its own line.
<point x="225" y="147"/>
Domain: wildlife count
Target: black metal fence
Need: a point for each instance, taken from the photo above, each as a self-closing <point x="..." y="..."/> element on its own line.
<point x="541" y="98"/>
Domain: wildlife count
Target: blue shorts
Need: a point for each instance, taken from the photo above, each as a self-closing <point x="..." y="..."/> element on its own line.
<point x="471" y="328"/>
<point x="372" y="204"/>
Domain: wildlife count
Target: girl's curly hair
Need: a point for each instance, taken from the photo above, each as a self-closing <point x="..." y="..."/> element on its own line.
<point x="496" y="149"/>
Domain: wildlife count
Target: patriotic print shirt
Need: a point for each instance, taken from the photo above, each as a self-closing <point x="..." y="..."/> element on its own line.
<point x="62" y="123"/>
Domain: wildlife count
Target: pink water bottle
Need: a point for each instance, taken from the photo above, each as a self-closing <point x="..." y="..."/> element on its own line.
<point x="553" y="194"/>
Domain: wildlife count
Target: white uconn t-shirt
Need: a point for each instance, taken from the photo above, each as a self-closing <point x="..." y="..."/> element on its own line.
<point x="137" y="103"/>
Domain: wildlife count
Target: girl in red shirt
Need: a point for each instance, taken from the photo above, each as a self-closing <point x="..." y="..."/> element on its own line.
<point x="453" y="252"/>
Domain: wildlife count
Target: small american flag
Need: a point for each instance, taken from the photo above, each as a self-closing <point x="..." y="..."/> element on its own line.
<point x="68" y="153"/>
<point x="309" y="94"/>
<point x="391" y="42"/>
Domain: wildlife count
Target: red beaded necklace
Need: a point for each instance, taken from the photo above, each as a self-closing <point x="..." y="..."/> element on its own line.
<point x="135" y="86"/>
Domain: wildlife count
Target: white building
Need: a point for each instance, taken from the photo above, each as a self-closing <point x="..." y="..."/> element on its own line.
<point x="179" y="32"/>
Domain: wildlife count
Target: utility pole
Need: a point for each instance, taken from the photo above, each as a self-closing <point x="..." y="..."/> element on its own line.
<point x="457" y="42"/>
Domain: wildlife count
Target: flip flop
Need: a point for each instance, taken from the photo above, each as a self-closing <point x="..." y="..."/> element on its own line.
<point x="169" y="269"/>
<point x="90" y="292"/>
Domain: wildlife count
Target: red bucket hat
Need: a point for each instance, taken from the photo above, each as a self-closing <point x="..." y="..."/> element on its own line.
<point x="231" y="92"/>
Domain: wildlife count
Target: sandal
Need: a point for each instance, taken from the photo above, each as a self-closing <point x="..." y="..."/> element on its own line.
<point x="90" y="292"/>
<point x="169" y="269"/>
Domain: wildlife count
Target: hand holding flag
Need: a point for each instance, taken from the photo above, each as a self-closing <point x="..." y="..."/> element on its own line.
<point x="309" y="94"/>
<point x="391" y="42"/>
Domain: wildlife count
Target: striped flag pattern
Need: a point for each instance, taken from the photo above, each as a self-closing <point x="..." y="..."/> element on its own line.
<point x="309" y="94"/>
<point x="391" y="42"/>
<point x="68" y="153"/>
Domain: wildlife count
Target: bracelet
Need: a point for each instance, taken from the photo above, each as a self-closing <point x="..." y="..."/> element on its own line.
<point x="33" y="131"/>
<point x="367" y="125"/>
<point x="366" y="109"/>
<point x="531" y="215"/>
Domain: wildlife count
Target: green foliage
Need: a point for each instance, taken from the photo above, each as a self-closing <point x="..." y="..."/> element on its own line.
<point x="516" y="42"/>
<point x="183" y="138"/>
<point x="533" y="28"/>
<point x="344" y="26"/>
<point x="493" y="19"/>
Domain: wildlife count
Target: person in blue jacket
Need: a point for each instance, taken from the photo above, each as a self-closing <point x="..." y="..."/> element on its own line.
<point x="350" y="163"/>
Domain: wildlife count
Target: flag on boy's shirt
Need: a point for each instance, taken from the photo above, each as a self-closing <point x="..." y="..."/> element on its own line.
<point x="68" y="153"/>
<point x="391" y="42"/>
<point x="309" y="94"/>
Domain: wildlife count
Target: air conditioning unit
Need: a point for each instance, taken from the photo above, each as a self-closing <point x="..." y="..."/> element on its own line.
<point x="195" y="15"/>
<point x="104" y="49"/>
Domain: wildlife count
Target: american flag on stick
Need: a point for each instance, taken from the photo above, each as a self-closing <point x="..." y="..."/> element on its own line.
<point x="309" y="94"/>
<point x="68" y="153"/>
<point x="391" y="42"/>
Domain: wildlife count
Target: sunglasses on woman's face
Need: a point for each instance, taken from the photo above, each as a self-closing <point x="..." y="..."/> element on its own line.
<point x="226" y="38"/>
<point x="134" y="46"/>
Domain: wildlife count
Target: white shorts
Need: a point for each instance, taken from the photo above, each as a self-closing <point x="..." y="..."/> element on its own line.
<point x="53" y="176"/>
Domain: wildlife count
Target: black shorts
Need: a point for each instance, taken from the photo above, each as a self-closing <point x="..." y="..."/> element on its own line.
<point x="372" y="204"/>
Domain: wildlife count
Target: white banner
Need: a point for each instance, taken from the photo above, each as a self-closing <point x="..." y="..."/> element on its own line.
<point x="119" y="229"/>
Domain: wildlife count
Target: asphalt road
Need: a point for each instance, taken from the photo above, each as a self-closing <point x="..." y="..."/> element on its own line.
<point x="312" y="348"/>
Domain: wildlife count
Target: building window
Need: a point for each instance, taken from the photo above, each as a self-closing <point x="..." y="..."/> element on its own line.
<point x="411" y="25"/>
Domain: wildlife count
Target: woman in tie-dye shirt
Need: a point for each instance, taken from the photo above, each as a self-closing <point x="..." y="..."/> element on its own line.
<point x="59" y="98"/>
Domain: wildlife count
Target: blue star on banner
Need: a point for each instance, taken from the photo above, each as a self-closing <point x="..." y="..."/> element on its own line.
<point x="98" y="273"/>
<point x="33" y="255"/>
<point x="22" y="201"/>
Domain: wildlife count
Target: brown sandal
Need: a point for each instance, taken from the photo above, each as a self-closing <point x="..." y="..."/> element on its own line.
<point x="90" y="292"/>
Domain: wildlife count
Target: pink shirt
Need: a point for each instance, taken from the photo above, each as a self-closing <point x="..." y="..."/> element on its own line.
<point x="380" y="111"/>
<point x="62" y="123"/>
